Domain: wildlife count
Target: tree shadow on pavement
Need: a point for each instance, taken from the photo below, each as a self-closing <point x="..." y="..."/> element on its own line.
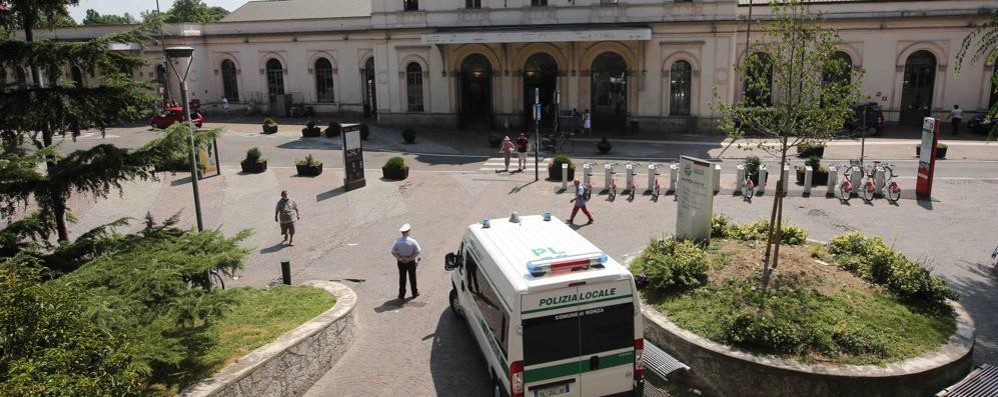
<point x="432" y="159"/>
<point x="976" y="285"/>
<point x="313" y="143"/>
<point x="456" y="364"/>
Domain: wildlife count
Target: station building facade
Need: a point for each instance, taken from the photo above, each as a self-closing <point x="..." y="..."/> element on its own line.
<point x="481" y="64"/>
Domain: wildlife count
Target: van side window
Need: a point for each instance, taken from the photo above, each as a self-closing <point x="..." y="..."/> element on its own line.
<point x="488" y="303"/>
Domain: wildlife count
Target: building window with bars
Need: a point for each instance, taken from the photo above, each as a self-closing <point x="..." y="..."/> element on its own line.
<point x="324" y="80"/>
<point x="230" y="88"/>
<point x="681" y="79"/>
<point x="414" y="86"/>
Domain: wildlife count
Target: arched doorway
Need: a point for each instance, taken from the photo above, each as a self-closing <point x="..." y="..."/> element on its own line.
<point x="608" y="95"/>
<point x="540" y="76"/>
<point x="370" y="89"/>
<point x="916" y="92"/>
<point x="476" y="92"/>
<point x="275" y="80"/>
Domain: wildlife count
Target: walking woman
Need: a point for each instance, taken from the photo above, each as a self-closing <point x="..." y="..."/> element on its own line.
<point x="507" y="150"/>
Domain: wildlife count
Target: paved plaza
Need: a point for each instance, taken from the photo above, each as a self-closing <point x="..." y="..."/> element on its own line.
<point x="420" y="348"/>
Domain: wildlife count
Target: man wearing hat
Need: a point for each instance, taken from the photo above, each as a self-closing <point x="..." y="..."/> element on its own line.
<point x="406" y="251"/>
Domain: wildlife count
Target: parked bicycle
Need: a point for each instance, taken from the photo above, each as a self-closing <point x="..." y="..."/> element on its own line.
<point x="845" y="188"/>
<point x="891" y="189"/>
<point x="656" y="190"/>
<point x="749" y="188"/>
<point x="612" y="188"/>
<point x="560" y="142"/>
<point x="632" y="185"/>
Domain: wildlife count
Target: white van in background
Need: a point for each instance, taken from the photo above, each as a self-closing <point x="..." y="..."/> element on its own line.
<point x="553" y="314"/>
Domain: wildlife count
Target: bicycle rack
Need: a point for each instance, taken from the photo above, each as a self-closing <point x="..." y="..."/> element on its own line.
<point x="785" y="177"/>
<point x="763" y="176"/>
<point x="857" y="181"/>
<point x="564" y="177"/>
<point x="833" y="180"/>
<point x="631" y="172"/>
<point x="673" y="175"/>
<point x="717" y="178"/>
<point x="652" y="172"/>
<point x="587" y="173"/>
<point x="740" y="179"/>
<point x="879" y="178"/>
<point x="607" y="174"/>
<point x="808" y="176"/>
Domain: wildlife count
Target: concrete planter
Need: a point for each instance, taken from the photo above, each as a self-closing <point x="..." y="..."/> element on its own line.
<point x="308" y="170"/>
<point x="270" y="128"/>
<point x="254" y="167"/>
<point x="290" y="365"/>
<point x="396" y="174"/>
<point x="722" y="371"/>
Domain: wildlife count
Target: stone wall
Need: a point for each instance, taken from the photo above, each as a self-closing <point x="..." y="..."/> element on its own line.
<point x="722" y="371"/>
<point x="291" y="364"/>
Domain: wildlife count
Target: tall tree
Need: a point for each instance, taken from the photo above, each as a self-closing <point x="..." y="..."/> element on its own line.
<point x="985" y="38"/>
<point x="194" y="11"/>
<point x="796" y="91"/>
<point x="93" y="17"/>
<point x="35" y="115"/>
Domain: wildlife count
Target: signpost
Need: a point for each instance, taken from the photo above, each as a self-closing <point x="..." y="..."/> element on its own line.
<point x="537" y="133"/>
<point x="927" y="157"/>
<point x="353" y="157"/>
<point x="695" y="197"/>
<point x="208" y="161"/>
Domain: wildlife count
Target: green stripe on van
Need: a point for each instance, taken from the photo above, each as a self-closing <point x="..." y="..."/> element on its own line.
<point x="576" y="367"/>
<point x="628" y="297"/>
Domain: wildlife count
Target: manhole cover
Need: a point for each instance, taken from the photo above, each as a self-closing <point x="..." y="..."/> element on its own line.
<point x="817" y="212"/>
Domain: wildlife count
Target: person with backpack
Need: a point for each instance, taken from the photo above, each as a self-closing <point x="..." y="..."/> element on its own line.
<point x="286" y="213"/>
<point x="580" y="203"/>
<point x="522" y="147"/>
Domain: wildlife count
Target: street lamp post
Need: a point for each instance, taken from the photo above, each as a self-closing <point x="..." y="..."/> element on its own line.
<point x="185" y="53"/>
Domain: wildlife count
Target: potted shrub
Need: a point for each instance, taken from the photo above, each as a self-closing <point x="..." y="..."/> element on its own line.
<point x="494" y="140"/>
<point x="333" y="129"/>
<point x="604" y="146"/>
<point x="395" y="169"/>
<point x="310" y="130"/>
<point x="409" y="134"/>
<point x="941" y="149"/>
<point x="819" y="177"/>
<point x="554" y="167"/>
<point x="269" y="126"/>
<point x="752" y="164"/>
<point x="365" y="131"/>
<point x="309" y="166"/>
<point x="253" y="164"/>
<point x="811" y="149"/>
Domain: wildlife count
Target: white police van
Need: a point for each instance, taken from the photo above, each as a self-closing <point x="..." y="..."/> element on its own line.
<point x="552" y="313"/>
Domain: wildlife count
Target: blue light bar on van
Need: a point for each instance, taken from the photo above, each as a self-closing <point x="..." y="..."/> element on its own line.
<point x="540" y="267"/>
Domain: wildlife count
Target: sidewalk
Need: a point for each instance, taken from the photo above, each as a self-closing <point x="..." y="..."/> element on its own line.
<point x="894" y="143"/>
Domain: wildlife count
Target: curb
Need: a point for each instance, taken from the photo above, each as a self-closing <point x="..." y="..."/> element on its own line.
<point x="290" y="365"/>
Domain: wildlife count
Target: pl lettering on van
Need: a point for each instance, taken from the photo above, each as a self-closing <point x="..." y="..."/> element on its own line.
<point x="547" y="253"/>
<point x="582" y="296"/>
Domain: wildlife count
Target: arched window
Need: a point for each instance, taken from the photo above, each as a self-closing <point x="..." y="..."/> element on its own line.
<point x="323" y="80"/>
<point x="77" y="75"/>
<point x="230" y="87"/>
<point x="275" y="80"/>
<point x="410" y="5"/>
<point x="759" y="80"/>
<point x="838" y="69"/>
<point x="414" y="86"/>
<point x="680" y="83"/>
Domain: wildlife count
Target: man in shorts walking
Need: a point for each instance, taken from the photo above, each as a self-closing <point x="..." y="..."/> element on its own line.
<point x="522" y="146"/>
<point x="286" y="213"/>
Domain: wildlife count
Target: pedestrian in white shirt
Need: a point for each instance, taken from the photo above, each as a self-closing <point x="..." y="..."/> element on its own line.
<point x="955" y="116"/>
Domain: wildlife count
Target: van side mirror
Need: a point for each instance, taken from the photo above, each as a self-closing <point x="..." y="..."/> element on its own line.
<point x="451" y="261"/>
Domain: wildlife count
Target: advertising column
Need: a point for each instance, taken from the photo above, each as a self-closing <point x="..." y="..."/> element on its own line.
<point x="927" y="157"/>
<point x="353" y="157"/>
<point x="695" y="199"/>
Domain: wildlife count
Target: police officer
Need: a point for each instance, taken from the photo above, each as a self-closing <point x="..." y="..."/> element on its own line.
<point x="406" y="253"/>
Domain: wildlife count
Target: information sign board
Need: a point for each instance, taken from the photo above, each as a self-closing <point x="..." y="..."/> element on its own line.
<point x="353" y="157"/>
<point x="695" y="198"/>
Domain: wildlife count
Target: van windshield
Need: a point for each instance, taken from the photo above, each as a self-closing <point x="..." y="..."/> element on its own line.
<point x="579" y="333"/>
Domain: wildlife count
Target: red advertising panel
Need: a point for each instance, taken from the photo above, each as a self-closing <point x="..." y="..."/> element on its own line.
<point x="927" y="157"/>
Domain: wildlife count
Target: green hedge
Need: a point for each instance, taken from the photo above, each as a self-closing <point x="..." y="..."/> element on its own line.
<point x="670" y="265"/>
<point x="722" y="227"/>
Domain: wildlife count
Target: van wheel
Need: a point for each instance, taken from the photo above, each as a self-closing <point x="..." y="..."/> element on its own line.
<point x="455" y="305"/>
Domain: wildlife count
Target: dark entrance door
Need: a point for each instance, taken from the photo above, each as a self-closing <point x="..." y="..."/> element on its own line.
<point x="609" y="93"/>
<point x="476" y="92"/>
<point x="916" y="94"/>
<point x="540" y="72"/>
<point x="370" y="90"/>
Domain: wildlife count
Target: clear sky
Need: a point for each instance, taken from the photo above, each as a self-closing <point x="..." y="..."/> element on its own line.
<point x="135" y="7"/>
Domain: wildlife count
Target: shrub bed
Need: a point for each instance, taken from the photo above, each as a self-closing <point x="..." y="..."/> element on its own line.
<point x="870" y="305"/>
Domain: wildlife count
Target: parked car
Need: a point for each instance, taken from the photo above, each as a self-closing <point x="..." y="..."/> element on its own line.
<point x="981" y="125"/>
<point x="172" y="115"/>
<point x="874" y="118"/>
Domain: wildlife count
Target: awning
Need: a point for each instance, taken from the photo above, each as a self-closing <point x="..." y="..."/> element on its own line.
<point x="536" y="35"/>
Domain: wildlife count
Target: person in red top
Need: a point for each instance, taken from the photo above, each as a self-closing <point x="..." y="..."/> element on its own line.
<point x="507" y="150"/>
<point x="522" y="146"/>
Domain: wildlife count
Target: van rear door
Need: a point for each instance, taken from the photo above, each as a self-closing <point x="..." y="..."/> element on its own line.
<point x="551" y="346"/>
<point x="607" y="337"/>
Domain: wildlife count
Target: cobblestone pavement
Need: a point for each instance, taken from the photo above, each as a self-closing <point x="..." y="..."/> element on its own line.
<point x="420" y="348"/>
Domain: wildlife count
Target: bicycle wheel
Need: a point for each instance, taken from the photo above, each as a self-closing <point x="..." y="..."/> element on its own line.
<point x="216" y="280"/>
<point x="893" y="194"/>
<point x="567" y="146"/>
<point x="843" y="195"/>
<point x="867" y="194"/>
<point x="749" y="192"/>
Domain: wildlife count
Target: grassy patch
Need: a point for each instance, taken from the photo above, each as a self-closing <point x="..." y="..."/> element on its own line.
<point x="856" y="301"/>
<point x="261" y="315"/>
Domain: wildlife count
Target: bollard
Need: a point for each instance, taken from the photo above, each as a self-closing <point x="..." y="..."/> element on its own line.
<point x="607" y="174"/>
<point x="564" y="177"/>
<point x="651" y="177"/>
<point x="629" y="173"/>
<point x="739" y="178"/>
<point x="286" y="271"/>
<point x="808" y="175"/>
<point x="673" y="174"/>
<point x="785" y="178"/>
<point x="833" y="180"/>
<point x="763" y="176"/>
<point x="879" y="178"/>
<point x="587" y="174"/>
<point x="717" y="178"/>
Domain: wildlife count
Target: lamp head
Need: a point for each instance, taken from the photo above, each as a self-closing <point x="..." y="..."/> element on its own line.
<point x="179" y="52"/>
